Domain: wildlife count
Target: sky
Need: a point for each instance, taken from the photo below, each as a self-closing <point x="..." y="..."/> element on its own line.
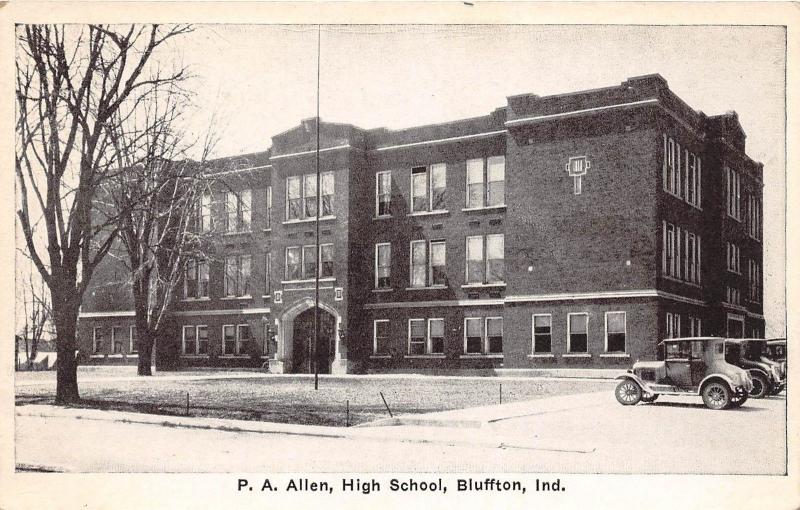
<point x="255" y="81"/>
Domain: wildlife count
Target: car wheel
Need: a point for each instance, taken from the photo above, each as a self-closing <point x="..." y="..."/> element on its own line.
<point x="737" y="401"/>
<point x="716" y="395"/>
<point x="760" y="386"/>
<point x="628" y="393"/>
<point x="649" y="399"/>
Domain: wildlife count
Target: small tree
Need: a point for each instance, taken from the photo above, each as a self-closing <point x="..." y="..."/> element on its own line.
<point x="36" y="317"/>
<point x="74" y="84"/>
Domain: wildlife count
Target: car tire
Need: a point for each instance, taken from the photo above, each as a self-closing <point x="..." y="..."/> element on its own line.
<point x="628" y="393"/>
<point x="761" y="386"/>
<point x="737" y="401"/>
<point x="716" y="395"/>
<point x="649" y="399"/>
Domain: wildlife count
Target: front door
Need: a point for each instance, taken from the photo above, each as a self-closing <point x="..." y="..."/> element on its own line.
<point x="303" y="342"/>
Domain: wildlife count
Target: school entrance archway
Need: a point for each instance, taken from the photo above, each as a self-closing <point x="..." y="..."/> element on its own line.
<point x="303" y="337"/>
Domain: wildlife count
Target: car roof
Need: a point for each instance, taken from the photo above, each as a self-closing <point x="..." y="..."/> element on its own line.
<point x="743" y="340"/>
<point x="692" y="338"/>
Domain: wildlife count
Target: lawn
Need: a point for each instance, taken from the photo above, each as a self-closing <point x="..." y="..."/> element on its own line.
<point x="292" y="399"/>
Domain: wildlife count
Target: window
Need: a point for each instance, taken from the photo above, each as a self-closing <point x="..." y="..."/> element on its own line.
<point x="428" y="186"/>
<point x="695" y="326"/>
<point x="754" y="217"/>
<point x="682" y="173"/>
<point x="383" y="259"/>
<point x="734" y="259"/>
<point x="673" y="325"/>
<point x="383" y="194"/>
<point x="680" y="254"/>
<point x="428" y="263"/>
<point x="301" y="262"/>
<point x="204" y="213"/>
<point x="267" y="273"/>
<point x="238" y="211"/>
<point x="678" y="350"/>
<point x="195" y="340"/>
<point x="615" y="331"/>
<point x="268" y="208"/>
<point x="486" y="182"/>
<point x="483" y="336"/>
<point x="236" y="339"/>
<point x="98" y="341"/>
<point x="733" y="193"/>
<point x="488" y="268"/>
<point x="133" y="339"/>
<point x="303" y="199"/>
<point x="577" y="332"/>
<point x="116" y="340"/>
<point x="237" y="276"/>
<point x="195" y="283"/>
<point x="425" y="337"/>
<point x="542" y="333"/>
<point x="380" y="337"/>
<point x="754" y="281"/>
<point x="732" y="295"/>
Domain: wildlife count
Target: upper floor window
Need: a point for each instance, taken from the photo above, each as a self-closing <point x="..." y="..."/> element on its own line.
<point x="732" y="295"/>
<point x="485" y="259"/>
<point x="195" y="282"/>
<point x="203" y="219"/>
<point x="673" y="325"/>
<point x="267" y="273"/>
<point x="302" y="198"/>
<point x="301" y="262"/>
<point x="682" y="172"/>
<point x="237" y="275"/>
<point x="754" y="217"/>
<point x="380" y="336"/>
<point x="734" y="259"/>
<point x="383" y="260"/>
<point x="542" y="333"/>
<point x="428" y="260"/>
<point x="754" y="281"/>
<point x="733" y="187"/>
<point x="383" y="193"/>
<point x="428" y="186"/>
<point x="238" y="211"/>
<point x="486" y="182"/>
<point x="268" y="208"/>
<point x="695" y="326"/>
<point x="577" y="332"/>
<point x="680" y="253"/>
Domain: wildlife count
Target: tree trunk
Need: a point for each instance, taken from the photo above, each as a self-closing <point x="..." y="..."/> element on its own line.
<point x="145" y="346"/>
<point x="34" y="352"/>
<point x="66" y="322"/>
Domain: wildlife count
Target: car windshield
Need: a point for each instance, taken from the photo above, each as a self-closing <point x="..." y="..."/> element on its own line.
<point x="754" y="350"/>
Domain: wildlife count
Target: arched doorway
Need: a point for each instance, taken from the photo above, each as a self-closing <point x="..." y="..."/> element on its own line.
<point x="303" y="341"/>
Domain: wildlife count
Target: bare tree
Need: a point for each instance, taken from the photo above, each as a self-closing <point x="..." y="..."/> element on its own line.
<point x="36" y="317"/>
<point x="72" y="84"/>
<point x="163" y="202"/>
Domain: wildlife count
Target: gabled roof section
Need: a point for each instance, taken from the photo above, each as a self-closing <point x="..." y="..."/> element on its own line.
<point x="303" y="137"/>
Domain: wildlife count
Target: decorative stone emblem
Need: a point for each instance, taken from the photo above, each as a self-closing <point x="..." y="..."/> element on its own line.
<point x="278" y="296"/>
<point x="338" y="294"/>
<point x="576" y="168"/>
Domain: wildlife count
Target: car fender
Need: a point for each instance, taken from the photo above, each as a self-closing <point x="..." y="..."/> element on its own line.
<point x="724" y="377"/>
<point x="634" y="378"/>
<point x="766" y="374"/>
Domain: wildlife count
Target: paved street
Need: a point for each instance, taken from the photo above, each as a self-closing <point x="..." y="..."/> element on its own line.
<point x="583" y="433"/>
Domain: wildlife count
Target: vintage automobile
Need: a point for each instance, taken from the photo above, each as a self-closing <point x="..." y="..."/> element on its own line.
<point x="776" y="351"/>
<point x="751" y="355"/>
<point x="687" y="366"/>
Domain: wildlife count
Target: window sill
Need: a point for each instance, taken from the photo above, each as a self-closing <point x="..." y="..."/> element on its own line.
<point x="235" y="298"/>
<point x="424" y="356"/>
<point x="234" y="356"/>
<point x="431" y="287"/>
<point x="132" y="355"/>
<point x="308" y="280"/>
<point x="481" y="356"/>
<point x="196" y="356"/>
<point x="195" y="299"/>
<point x="382" y="290"/>
<point x="482" y="285"/>
<point x="487" y="208"/>
<point x="97" y="356"/>
<point x="380" y="356"/>
<point x="615" y="355"/>
<point x="267" y="230"/>
<point x="267" y="356"/>
<point x="266" y="296"/>
<point x="576" y="355"/>
<point x="237" y="233"/>
<point x="542" y="355"/>
<point x="383" y="217"/>
<point x="115" y="356"/>
<point x="308" y="220"/>
<point x="429" y="213"/>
